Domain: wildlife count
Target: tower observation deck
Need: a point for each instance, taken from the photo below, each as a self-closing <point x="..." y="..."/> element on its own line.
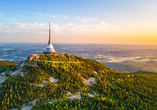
<point x="50" y="49"/>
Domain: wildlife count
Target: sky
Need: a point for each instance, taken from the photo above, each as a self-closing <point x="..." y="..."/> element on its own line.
<point x="79" y="21"/>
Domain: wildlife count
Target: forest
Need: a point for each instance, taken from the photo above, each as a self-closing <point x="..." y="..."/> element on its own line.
<point x="4" y="65"/>
<point x="114" y="90"/>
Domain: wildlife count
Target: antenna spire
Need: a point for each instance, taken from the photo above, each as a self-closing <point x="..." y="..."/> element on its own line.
<point x="49" y="49"/>
<point x="49" y="35"/>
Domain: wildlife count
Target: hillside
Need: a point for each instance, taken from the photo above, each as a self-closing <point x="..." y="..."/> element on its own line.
<point x="71" y="82"/>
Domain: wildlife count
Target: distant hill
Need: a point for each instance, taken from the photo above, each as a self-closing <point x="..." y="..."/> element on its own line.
<point x="70" y="82"/>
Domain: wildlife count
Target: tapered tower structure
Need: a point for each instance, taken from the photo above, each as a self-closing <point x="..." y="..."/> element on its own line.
<point x="50" y="49"/>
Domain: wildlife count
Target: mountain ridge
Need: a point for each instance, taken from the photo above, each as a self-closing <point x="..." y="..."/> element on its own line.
<point x="87" y="84"/>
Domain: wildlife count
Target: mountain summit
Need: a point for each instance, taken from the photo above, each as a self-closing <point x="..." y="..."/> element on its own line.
<point x="69" y="82"/>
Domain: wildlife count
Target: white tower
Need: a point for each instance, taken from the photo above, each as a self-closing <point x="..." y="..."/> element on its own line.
<point x="50" y="49"/>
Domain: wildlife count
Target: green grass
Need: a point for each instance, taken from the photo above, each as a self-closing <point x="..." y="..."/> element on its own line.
<point x="32" y="62"/>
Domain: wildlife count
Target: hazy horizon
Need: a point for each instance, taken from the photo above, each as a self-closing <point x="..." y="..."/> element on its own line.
<point x="77" y="43"/>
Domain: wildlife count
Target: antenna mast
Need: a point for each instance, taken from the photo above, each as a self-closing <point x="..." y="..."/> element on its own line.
<point x="49" y="34"/>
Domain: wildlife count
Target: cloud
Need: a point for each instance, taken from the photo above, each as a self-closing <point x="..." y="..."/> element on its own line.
<point x="23" y="27"/>
<point x="38" y="32"/>
<point x="99" y="27"/>
<point x="1" y="14"/>
<point x="70" y="24"/>
<point x="57" y="16"/>
<point x="39" y="13"/>
<point x="10" y="19"/>
<point x="85" y="19"/>
<point x="35" y="13"/>
<point x="56" y="29"/>
<point x="4" y="28"/>
<point x="50" y="15"/>
<point x="38" y="28"/>
<point x="29" y="27"/>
